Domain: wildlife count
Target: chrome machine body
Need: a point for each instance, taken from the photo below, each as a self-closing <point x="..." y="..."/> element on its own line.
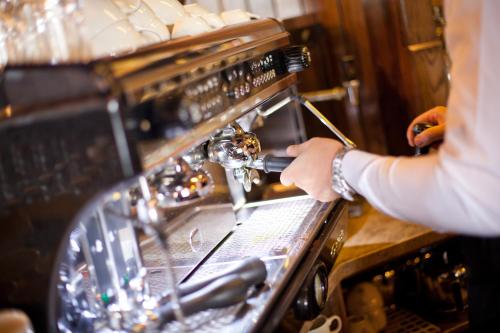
<point x="127" y="182"/>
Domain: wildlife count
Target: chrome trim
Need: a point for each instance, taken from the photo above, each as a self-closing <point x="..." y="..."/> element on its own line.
<point x="332" y="94"/>
<point x="113" y="108"/>
<point x="309" y="106"/>
<point x="270" y="110"/>
<point x="164" y="67"/>
<point x="156" y="154"/>
<point x="425" y="45"/>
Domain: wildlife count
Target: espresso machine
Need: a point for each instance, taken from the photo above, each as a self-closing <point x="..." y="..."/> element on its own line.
<point x="138" y="194"/>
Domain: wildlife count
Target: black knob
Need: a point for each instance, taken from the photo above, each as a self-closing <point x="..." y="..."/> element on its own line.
<point x="312" y="298"/>
<point x="417" y="129"/>
<point x="297" y="58"/>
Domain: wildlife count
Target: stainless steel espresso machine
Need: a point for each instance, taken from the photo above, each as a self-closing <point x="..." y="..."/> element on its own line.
<point x="137" y="192"/>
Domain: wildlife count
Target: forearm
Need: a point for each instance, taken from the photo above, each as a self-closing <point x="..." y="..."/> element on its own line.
<point x="426" y="191"/>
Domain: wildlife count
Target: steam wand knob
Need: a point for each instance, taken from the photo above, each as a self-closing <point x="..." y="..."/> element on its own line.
<point x="417" y="129"/>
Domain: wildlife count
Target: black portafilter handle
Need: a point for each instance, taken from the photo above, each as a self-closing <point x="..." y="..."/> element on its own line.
<point x="251" y="270"/>
<point x="270" y="163"/>
<point x="226" y="291"/>
<point x="417" y="129"/>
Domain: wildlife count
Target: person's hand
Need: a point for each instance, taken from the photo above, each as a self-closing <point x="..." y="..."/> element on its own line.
<point x="312" y="168"/>
<point x="436" y="117"/>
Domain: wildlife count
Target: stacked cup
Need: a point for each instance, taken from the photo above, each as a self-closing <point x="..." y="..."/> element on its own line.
<point x="365" y="305"/>
<point x="144" y="20"/>
<point x="108" y="29"/>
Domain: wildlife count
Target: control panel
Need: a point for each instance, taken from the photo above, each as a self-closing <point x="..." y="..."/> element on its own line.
<point x="207" y="97"/>
<point x="214" y="93"/>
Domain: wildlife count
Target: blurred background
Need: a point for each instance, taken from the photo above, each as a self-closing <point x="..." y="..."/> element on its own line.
<point x="394" y="51"/>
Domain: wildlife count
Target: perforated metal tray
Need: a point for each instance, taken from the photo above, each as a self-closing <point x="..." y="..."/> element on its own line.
<point x="404" y="321"/>
<point x="279" y="232"/>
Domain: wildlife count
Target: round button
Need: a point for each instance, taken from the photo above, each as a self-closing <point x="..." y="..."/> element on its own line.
<point x="297" y="58"/>
<point x="312" y="298"/>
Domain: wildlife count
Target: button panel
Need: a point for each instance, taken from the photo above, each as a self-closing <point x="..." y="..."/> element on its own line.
<point x="203" y="99"/>
<point x="215" y="93"/>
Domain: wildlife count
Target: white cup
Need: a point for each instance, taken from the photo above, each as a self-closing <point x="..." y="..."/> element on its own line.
<point x="236" y="16"/>
<point x="323" y="324"/>
<point x="169" y="11"/>
<point x="144" y="20"/>
<point x="119" y="37"/>
<point x="128" y="6"/>
<point x="195" y="9"/>
<point x="98" y="15"/>
<point x="189" y="26"/>
<point x="213" y="20"/>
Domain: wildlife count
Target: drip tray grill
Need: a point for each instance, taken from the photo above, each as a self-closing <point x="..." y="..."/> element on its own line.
<point x="404" y="321"/>
<point x="279" y="232"/>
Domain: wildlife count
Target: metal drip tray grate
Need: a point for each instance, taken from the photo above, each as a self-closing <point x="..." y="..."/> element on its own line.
<point x="191" y="236"/>
<point x="269" y="231"/>
<point x="279" y="232"/>
<point x="404" y="321"/>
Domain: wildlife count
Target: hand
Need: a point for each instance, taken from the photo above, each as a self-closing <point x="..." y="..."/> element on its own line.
<point x="435" y="116"/>
<point x="312" y="168"/>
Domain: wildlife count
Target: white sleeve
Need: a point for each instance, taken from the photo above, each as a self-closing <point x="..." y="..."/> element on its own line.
<point x="457" y="189"/>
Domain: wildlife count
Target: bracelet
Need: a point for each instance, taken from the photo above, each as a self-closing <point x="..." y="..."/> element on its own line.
<point x="339" y="184"/>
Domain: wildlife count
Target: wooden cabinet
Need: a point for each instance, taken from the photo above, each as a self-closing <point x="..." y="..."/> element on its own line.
<point x="399" y="57"/>
<point x="393" y="48"/>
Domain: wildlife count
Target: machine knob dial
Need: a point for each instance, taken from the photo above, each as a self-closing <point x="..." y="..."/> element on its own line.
<point x="312" y="298"/>
<point x="297" y="58"/>
<point x="417" y="129"/>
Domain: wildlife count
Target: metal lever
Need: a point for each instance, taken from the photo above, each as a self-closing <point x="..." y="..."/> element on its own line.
<point x="308" y="105"/>
<point x="349" y="89"/>
<point x="332" y="94"/>
<point x="270" y="163"/>
<point x="417" y="129"/>
<point x="252" y="271"/>
<point x="226" y="291"/>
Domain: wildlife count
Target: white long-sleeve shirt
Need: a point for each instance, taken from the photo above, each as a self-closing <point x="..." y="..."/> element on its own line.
<point x="457" y="189"/>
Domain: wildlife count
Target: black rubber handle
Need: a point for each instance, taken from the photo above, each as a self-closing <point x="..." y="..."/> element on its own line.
<point x="251" y="270"/>
<point x="276" y="163"/>
<point x="226" y="291"/>
<point x="417" y="129"/>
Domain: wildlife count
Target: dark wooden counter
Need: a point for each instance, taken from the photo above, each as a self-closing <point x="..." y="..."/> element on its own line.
<point x="375" y="238"/>
<point x="372" y="240"/>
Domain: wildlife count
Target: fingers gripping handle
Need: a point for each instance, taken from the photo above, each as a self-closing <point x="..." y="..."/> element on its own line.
<point x="417" y="129"/>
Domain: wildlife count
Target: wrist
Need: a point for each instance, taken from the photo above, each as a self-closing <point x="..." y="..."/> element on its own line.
<point x="339" y="183"/>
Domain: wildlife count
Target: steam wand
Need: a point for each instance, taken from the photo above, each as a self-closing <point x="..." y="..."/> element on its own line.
<point x="311" y="108"/>
<point x="271" y="163"/>
<point x="242" y="153"/>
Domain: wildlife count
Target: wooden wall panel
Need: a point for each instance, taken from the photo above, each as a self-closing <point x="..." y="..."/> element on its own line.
<point x="410" y="63"/>
<point x="345" y="25"/>
<point x="418" y="21"/>
<point x="432" y="79"/>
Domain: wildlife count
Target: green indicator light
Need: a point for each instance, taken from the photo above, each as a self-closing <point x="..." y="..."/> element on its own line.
<point x="105" y="298"/>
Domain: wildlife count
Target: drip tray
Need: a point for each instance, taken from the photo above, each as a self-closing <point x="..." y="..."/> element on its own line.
<point x="279" y="232"/>
<point x="404" y="321"/>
